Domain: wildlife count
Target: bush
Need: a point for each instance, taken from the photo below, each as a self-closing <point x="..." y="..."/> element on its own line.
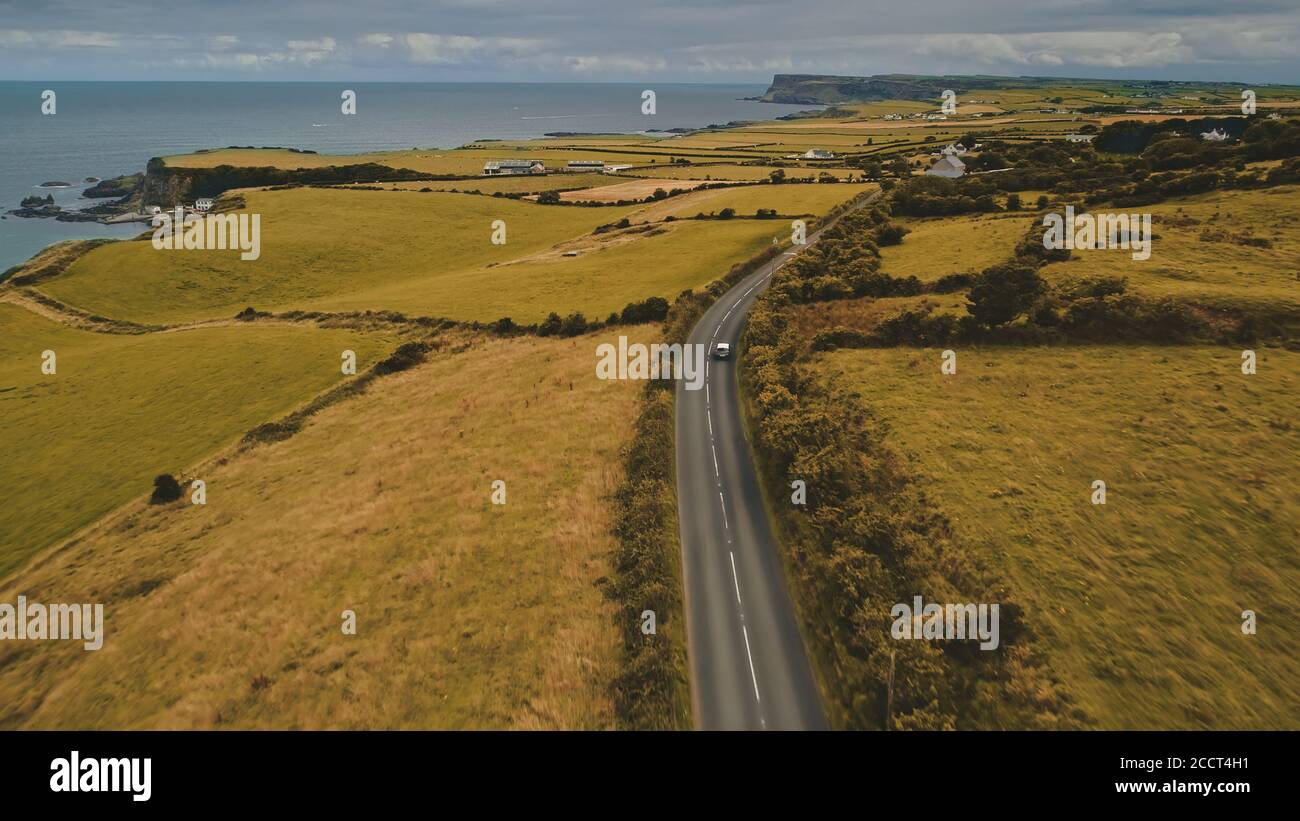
<point x="573" y="325"/>
<point x="550" y="326"/>
<point x="548" y="197"/>
<point x="165" y="489"/>
<point x="407" y="355"/>
<point x="654" y="309"/>
<point x="1004" y="292"/>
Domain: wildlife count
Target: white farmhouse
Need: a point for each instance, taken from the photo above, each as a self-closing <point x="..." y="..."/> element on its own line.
<point x="818" y="154"/>
<point x="1079" y="138"/>
<point x="1215" y="136"/>
<point x="947" y="166"/>
<point x="203" y="204"/>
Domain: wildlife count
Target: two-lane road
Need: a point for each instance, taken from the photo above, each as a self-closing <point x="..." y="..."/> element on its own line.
<point x="749" y="668"/>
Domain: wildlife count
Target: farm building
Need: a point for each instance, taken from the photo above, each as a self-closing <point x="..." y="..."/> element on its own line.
<point x="493" y="168"/>
<point x="947" y="166"/>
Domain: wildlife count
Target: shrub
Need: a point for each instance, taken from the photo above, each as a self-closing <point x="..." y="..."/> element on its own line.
<point x="407" y="355"/>
<point x="1003" y="292"/>
<point x="165" y="489"/>
<point x="550" y="326"/>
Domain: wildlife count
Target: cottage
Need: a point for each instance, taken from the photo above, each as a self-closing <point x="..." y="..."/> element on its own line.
<point x="955" y="149"/>
<point x="494" y="168"/>
<point x="947" y="166"/>
<point x="1079" y="138"/>
<point x="818" y="154"/>
<point x="203" y="204"/>
<point x="1215" y="136"/>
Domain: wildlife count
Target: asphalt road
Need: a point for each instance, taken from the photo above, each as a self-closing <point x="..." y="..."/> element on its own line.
<point x="749" y="668"/>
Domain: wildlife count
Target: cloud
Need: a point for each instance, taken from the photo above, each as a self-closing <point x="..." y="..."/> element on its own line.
<point x="1112" y="49"/>
<point x="432" y="49"/>
<point x="63" y="38"/>
<point x="632" y="40"/>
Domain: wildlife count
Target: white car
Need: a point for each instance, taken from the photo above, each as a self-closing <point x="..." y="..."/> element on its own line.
<point x="722" y="351"/>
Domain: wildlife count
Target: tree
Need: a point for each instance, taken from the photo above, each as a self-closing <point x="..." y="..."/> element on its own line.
<point x="165" y="489"/>
<point x="1013" y="202"/>
<point x="777" y="176"/>
<point x="548" y="197"/>
<point x="1003" y="292"/>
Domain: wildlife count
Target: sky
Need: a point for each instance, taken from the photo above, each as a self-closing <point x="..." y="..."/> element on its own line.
<point x="732" y="41"/>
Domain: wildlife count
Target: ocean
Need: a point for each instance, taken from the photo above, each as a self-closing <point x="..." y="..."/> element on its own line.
<point x="107" y="129"/>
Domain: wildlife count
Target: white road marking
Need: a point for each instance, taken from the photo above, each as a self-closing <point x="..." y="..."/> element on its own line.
<point x="715" y="461"/>
<point x="752" y="676"/>
<point x="723" y="502"/>
<point x="736" y="580"/>
<point x="709" y="414"/>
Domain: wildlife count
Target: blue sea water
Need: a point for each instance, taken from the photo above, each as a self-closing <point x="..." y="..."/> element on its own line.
<point x="107" y="129"/>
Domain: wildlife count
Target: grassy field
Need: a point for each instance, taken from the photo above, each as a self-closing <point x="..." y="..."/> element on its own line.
<point x="787" y="200"/>
<point x="336" y="250"/>
<point x="122" y="409"/>
<point x="611" y="190"/>
<point x="939" y="246"/>
<point x="1139" y="601"/>
<point x="609" y="271"/>
<point x="468" y="614"/>
<point x="738" y="172"/>
<point x="463" y="161"/>
<point x="522" y="184"/>
<point x="322" y="248"/>
<point x="1199" y="253"/>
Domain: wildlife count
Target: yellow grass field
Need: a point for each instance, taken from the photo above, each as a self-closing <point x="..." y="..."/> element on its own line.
<point x="464" y="161"/>
<point x="121" y="409"/>
<point x="468" y="614"/>
<point x="1199" y="251"/>
<point x="522" y="184"/>
<point x="940" y="246"/>
<point x="717" y="171"/>
<point x="788" y="200"/>
<point x="321" y="249"/>
<point x="340" y="250"/>
<point x="611" y="191"/>
<point x="1139" y="601"/>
